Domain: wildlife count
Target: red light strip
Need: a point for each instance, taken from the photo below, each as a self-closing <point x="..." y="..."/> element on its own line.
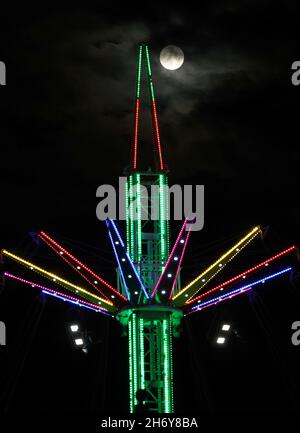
<point x="44" y="236"/>
<point x="136" y="127"/>
<point x="77" y="270"/>
<point x="260" y="265"/>
<point x="161" y="164"/>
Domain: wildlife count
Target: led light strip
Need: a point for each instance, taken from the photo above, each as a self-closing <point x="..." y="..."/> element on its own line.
<point x="131" y="396"/>
<point x="142" y="352"/>
<point x="253" y="269"/>
<point x="60" y="295"/>
<point x="119" y="266"/>
<point x="149" y="74"/>
<point x="66" y="284"/>
<point x="136" y="127"/>
<point x="42" y="235"/>
<point x="137" y="109"/>
<point x="128" y="257"/>
<point x="162" y="217"/>
<point x="167" y="361"/>
<point x="75" y="268"/>
<point x="236" y="292"/>
<point x="161" y="164"/>
<point x="139" y="221"/>
<point x="236" y="249"/>
<point x="131" y="220"/>
<point x="135" y="361"/>
<point x="170" y="258"/>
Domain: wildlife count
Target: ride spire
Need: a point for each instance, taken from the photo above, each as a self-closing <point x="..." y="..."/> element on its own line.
<point x="143" y="53"/>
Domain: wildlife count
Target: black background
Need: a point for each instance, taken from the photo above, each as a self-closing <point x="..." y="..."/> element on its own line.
<point x="228" y="120"/>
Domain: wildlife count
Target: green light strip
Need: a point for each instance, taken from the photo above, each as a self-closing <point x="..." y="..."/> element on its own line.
<point x="131" y="394"/>
<point x="139" y="222"/>
<point x="142" y="353"/>
<point x="171" y="367"/>
<point x="162" y="218"/>
<point x="138" y="88"/>
<point x="149" y="74"/>
<point x="167" y="365"/>
<point x="127" y="220"/>
<point x="148" y="60"/>
<point x="135" y="360"/>
<point x="131" y="221"/>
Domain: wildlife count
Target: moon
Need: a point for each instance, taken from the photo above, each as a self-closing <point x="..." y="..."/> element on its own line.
<point x="171" y="57"/>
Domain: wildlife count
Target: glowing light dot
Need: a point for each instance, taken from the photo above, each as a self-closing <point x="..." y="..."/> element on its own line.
<point x="78" y="267"/>
<point x="117" y="242"/>
<point x="175" y="258"/>
<point x="220" y="265"/>
<point x="225" y="327"/>
<point x="96" y="282"/>
<point x="163" y="292"/>
<point x="99" y="302"/>
<point x="222" y="288"/>
<point x="123" y="259"/>
<point x="79" y="341"/>
<point x="199" y="300"/>
<point x="32" y="285"/>
<point x="203" y="280"/>
<point x="186" y="295"/>
<point x="267" y="264"/>
<point x="61" y="253"/>
<point x="182" y="241"/>
<point x="77" y="291"/>
<point x="136" y="293"/>
<point x="54" y="279"/>
<point x="237" y="249"/>
<point x="220" y="340"/>
<point x="169" y="275"/>
<point x="129" y="276"/>
<point x="31" y="267"/>
<point x="112" y="296"/>
<point x="244" y="276"/>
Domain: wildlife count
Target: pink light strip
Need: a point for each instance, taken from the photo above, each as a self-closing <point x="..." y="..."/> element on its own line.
<point x="170" y="257"/>
<point x="179" y="265"/>
<point x="22" y="280"/>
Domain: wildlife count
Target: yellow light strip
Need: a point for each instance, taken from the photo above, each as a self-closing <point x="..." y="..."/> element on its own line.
<point x="70" y="286"/>
<point x="242" y="243"/>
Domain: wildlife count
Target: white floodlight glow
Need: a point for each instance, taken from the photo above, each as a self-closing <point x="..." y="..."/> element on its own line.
<point x="74" y="327"/>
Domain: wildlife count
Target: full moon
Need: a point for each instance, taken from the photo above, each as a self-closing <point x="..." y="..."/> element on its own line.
<point x="171" y="57"/>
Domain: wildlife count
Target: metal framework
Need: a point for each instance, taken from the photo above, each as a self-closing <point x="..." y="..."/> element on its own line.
<point x="149" y="301"/>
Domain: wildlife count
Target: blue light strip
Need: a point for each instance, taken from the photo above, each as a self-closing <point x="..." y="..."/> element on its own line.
<point x="235" y="292"/>
<point x="119" y="264"/>
<point x="128" y="257"/>
<point x="77" y="303"/>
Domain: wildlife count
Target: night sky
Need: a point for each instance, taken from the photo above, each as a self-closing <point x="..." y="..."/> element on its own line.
<point x="228" y="119"/>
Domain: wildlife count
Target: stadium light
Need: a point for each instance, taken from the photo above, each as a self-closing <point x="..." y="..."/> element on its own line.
<point x="221" y="340"/>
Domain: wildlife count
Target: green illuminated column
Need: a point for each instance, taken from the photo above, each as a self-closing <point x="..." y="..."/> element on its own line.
<point x="150" y="331"/>
<point x="147" y="240"/>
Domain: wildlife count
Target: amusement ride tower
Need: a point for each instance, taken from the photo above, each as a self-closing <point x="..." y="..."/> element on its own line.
<point x="149" y="301"/>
